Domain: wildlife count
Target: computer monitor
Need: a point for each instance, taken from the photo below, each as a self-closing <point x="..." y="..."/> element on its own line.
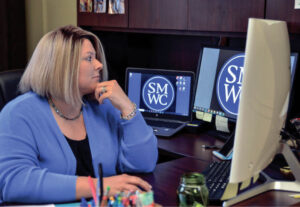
<point x="211" y="95"/>
<point x="219" y="81"/>
<point x="263" y="107"/>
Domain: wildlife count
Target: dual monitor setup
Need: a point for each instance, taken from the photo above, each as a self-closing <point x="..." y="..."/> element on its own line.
<point x="251" y="88"/>
<point x="219" y="87"/>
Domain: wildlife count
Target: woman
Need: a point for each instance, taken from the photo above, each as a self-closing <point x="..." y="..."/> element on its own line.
<point x="67" y="121"/>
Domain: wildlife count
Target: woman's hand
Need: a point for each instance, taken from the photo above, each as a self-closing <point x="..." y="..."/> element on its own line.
<point x="112" y="91"/>
<point x="125" y="183"/>
<point x="117" y="184"/>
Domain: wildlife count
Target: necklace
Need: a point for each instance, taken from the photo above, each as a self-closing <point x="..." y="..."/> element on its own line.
<point x="61" y="114"/>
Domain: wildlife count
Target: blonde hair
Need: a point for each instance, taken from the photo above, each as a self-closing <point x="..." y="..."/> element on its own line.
<point x="54" y="66"/>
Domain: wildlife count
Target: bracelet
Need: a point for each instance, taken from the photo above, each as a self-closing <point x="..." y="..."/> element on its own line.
<point x="131" y="115"/>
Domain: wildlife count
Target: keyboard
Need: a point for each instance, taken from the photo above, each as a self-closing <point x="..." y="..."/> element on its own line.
<point x="217" y="178"/>
<point x="158" y="123"/>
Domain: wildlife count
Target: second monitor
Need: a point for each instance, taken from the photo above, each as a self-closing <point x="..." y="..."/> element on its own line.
<point x="219" y="81"/>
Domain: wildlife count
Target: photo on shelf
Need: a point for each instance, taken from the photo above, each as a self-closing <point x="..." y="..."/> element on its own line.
<point x="86" y="6"/>
<point x="116" y="7"/>
<point x="99" y="6"/>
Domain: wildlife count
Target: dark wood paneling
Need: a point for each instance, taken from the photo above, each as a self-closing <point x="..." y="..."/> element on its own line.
<point x="151" y="51"/>
<point x="158" y="14"/>
<point x="16" y="34"/>
<point x="3" y="36"/>
<point x="12" y="35"/>
<point x="284" y="10"/>
<point x="102" y="19"/>
<point x="154" y="37"/>
<point x="223" y="15"/>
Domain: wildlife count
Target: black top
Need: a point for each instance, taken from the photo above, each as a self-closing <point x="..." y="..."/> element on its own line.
<point x="82" y="153"/>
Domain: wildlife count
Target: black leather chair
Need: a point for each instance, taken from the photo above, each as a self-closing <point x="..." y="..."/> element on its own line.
<point x="9" y="81"/>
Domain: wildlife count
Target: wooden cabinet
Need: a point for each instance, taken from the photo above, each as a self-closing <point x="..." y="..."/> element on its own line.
<point x="192" y="16"/>
<point x="284" y="10"/>
<point x="158" y="14"/>
<point x="223" y="15"/>
<point x="102" y="19"/>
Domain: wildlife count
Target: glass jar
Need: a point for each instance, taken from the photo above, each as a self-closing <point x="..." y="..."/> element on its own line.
<point x="192" y="190"/>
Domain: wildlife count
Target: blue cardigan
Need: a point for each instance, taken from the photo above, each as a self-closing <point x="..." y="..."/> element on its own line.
<point x="37" y="164"/>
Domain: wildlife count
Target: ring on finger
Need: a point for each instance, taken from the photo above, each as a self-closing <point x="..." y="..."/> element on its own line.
<point x="103" y="89"/>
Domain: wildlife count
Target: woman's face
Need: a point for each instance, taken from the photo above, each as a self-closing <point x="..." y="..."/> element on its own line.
<point x="89" y="69"/>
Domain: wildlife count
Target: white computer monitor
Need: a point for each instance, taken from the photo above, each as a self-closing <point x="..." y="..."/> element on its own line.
<point x="263" y="103"/>
<point x="264" y="98"/>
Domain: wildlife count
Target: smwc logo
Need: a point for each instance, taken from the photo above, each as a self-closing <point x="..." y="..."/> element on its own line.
<point x="229" y="84"/>
<point x="158" y="93"/>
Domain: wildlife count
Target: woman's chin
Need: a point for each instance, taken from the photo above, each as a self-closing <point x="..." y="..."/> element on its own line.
<point x="90" y="91"/>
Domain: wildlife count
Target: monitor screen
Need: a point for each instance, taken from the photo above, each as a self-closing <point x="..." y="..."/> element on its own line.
<point x="161" y="93"/>
<point x="219" y="81"/>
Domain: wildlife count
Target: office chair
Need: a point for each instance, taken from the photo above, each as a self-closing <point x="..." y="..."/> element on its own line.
<point x="9" y="81"/>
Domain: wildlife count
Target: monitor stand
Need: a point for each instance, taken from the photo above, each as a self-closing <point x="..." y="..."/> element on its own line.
<point x="273" y="184"/>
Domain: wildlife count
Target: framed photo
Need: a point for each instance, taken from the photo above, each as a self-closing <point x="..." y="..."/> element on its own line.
<point x="99" y="6"/>
<point x="86" y="6"/>
<point x="116" y="7"/>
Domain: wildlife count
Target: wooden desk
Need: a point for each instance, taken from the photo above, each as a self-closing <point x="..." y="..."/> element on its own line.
<point x="190" y="145"/>
<point x="166" y="176"/>
<point x="165" y="180"/>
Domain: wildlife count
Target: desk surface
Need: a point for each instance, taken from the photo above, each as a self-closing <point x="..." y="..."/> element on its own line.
<point x="166" y="176"/>
<point x="190" y="144"/>
<point x="165" y="180"/>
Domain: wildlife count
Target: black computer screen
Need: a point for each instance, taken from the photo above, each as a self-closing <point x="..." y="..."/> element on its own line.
<point x="175" y="90"/>
<point x="219" y="81"/>
<point x="161" y="93"/>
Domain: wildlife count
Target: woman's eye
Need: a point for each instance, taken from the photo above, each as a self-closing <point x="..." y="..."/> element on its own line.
<point x="89" y="58"/>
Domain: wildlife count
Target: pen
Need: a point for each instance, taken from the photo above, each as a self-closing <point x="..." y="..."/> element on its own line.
<point x="210" y="146"/>
<point x="98" y="193"/>
<point x="105" y="198"/>
<point x="83" y="203"/>
<point x="92" y="189"/>
<point x="100" y="172"/>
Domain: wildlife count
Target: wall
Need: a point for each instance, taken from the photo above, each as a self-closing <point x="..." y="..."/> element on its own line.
<point x="45" y="15"/>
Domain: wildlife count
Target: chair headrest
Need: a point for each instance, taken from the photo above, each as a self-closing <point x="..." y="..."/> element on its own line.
<point x="9" y="81"/>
